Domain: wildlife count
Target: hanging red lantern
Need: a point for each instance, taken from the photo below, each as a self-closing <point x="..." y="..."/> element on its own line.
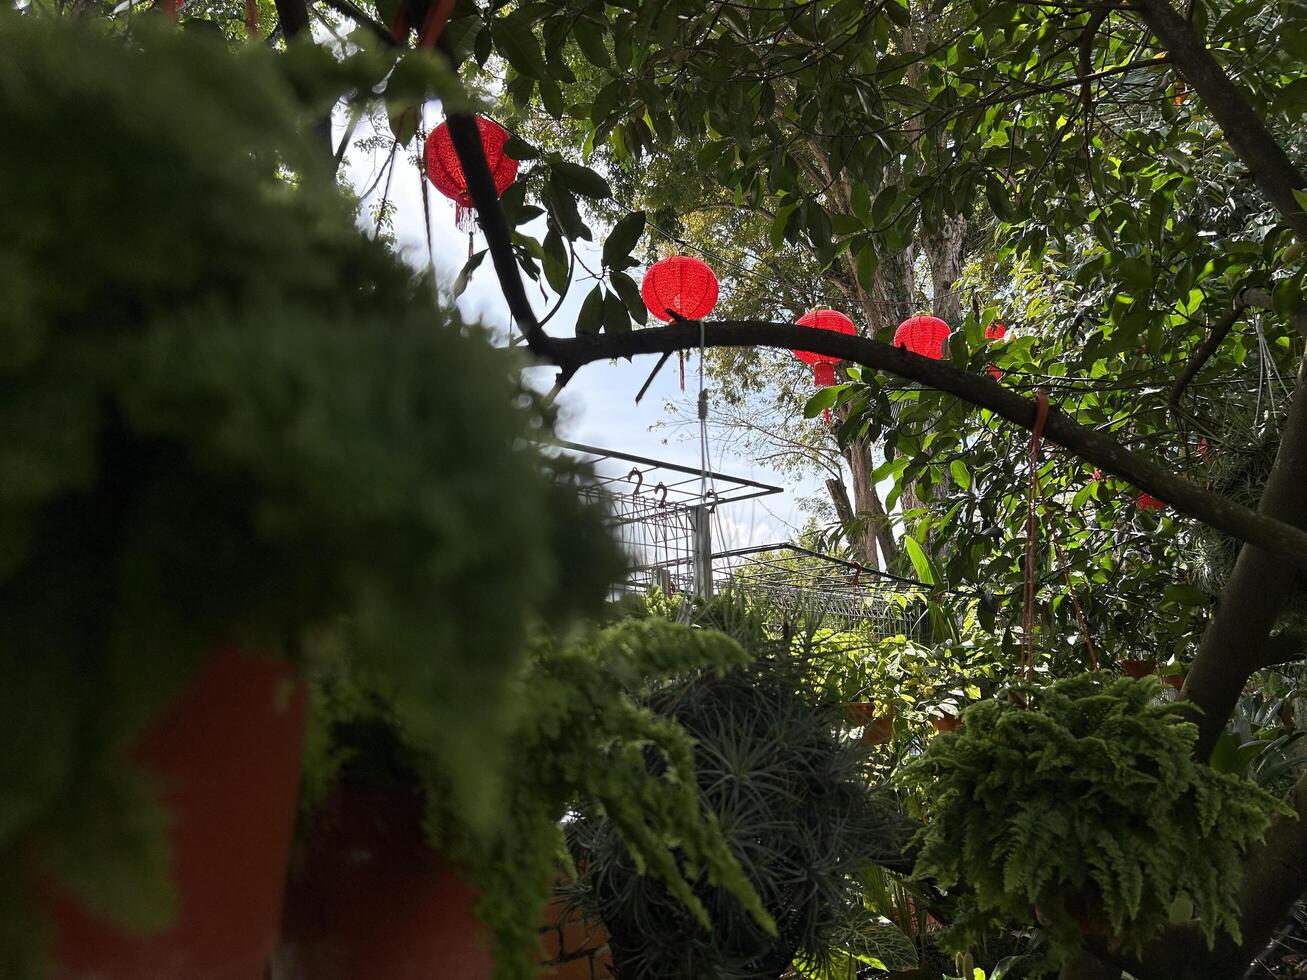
<point x="679" y="285"/>
<point x="1147" y="501"/>
<point x="995" y="331"/>
<point x="823" y="365"/>
<point x="923" y="335"/>
<point x="683" y="286"/>
<point x="446" y="172"/>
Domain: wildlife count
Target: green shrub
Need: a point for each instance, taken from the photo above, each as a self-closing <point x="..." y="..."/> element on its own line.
<point x="227" y="416"/>
<point x="1086" y="812"/>
<point x="796" y="810"/>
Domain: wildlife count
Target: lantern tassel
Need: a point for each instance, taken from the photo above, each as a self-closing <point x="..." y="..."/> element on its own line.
<point x="825" y="412"/>
<point x="465" y="218"/>
<point x="823" y="373"/>
<point x="680" y="357"/>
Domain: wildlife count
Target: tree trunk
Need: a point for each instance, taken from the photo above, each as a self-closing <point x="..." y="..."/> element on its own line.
<point x="945" y="251"/>
<point x="869" y="513"/>
<point x="839" y="495"/>
<point x="1088" y="967"/>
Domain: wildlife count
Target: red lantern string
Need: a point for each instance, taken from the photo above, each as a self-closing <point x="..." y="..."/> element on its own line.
<point x="446" y="172"/>
<point x="923" y="335"/>
<point x="823" y="365"/>
<point x="1032" y="530"/>
<point x="679" y="286"/>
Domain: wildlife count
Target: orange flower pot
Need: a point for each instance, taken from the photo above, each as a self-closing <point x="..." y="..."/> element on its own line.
<point x="1138" y="668"/>
<point x="946" y="723"/>
<point x="373" y="901"/>
<point x="227" y="752"/>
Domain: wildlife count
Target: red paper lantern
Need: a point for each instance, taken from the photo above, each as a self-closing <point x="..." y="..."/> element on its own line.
<point x="1147" y="501"/>
<point x="923" y="335"/>
<point x="995" y="331"/>
<point x="681" y="284"/>
<point x="823" y="365"/>
<point x="446" y="173"/>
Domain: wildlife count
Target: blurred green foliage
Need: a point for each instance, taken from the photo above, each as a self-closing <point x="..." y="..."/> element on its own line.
<point x="227" y="416"/>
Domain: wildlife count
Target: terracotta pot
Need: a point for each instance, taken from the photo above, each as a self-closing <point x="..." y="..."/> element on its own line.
<point x="1138" y="668"/>
<point x="946" y="723"/>
<point x="859" y="712"/>
<point x="228" y="754"/>
<point x="878" y="730"/>
<point x="1174" y="680"/>
<point x="373" y="901"/>
<point x="574" y="947"/>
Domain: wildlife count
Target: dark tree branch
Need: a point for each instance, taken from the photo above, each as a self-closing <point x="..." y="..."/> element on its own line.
<point x="1268" y="532"/>
<point x="466" y="138"/>
<point x="1234" y="643"/>
<point x="1274" y="877"/>
<point x="356" y="13"/>
<point x="1245" y="131"/>
<point x="1285" y="647"/>
<point x="1206" y="349"/>
<point x="293" y="19"/>
<point x="1261" y="298"/>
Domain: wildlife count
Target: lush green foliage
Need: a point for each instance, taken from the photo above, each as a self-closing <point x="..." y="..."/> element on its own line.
<point x="798" y="813"/>
<point x="579" y="739"/>
<point x="226" y="416"/>
<point x="1084" y="808"/>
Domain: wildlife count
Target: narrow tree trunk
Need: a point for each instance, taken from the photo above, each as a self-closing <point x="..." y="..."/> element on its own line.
<point x="945" y="252"/>
<point x="870" y="512"/>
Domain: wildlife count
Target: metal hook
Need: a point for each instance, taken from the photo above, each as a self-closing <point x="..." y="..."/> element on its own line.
<point x="639" y="480"/>
<point x="857" y="572"/>
<point x="662" y="500"/>
<point x="712" y="507"/>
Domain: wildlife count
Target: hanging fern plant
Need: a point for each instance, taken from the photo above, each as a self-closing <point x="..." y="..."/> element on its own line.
<point x="1087" y="813"/>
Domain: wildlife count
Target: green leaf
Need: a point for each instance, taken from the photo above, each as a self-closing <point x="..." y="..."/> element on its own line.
<point x="515" y="40"/>
<point x="581" y="179"/>
<point x="590" y="39"/>
<point x="591" y="318"/>
<point x="630" y="293"/>
<point x="1136" y="273"/>
<point x="921" y="562"/>
<point x="1286" y="298"/>
<point x="616" y="317"/>
<point x="821" y="401"/>
<point x="403" y="120"/>
<point x="460" y="284"/>
<point x="563" y="206"/>
<point x="867" y="263"/>
<point x="624" y="237"/>
<point x="519" y="149"/>
<point x="555" y="261"/>
<point x="552" y="97"/>
<point x="961" y="475"/>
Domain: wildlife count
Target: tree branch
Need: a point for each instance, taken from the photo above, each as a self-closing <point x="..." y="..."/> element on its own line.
<point x="1206" y="349"/>
<point x="466" y="138"/>
<point x="1244" y="129"/>
<point x="1274" y="535"/>
<point x="1234" y="643"/>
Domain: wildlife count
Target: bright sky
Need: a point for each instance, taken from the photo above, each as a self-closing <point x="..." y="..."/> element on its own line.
<point x="598" y="406"/>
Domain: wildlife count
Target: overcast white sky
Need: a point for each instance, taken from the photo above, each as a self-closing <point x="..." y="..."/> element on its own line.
<point x="598" y="406"/>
